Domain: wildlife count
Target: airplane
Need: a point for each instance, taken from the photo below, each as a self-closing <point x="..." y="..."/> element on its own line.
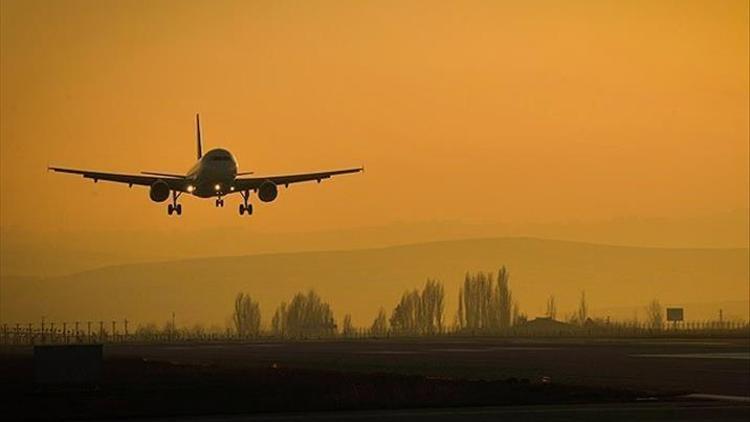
<point x="214" y="175"/>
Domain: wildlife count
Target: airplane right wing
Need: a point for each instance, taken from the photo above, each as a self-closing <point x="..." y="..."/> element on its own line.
<point x="250" y="183"/>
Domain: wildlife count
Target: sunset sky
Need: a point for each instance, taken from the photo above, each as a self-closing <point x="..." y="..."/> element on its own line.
<point x="476" y="111"/>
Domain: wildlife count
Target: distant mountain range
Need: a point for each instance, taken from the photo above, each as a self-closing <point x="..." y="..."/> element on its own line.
<point x="617" y="280"/>
<point x="53" y="253"/>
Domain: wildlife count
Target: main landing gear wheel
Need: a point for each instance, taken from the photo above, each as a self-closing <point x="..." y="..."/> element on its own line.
<point x="219" y="203"/>
<point x="248" y="208"/>
<point x="245" y="206"/>
<point x="174" y="207"/>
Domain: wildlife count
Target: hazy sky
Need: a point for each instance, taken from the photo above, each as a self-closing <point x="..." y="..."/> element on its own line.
<point x="479" y="111"/>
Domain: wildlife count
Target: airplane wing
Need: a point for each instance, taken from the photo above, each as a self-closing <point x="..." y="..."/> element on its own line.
<point x="250" y="183"/>
<point x="178" y="184"/>
<point x="156" y="173"/>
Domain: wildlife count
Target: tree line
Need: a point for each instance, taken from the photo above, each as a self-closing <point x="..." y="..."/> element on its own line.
<point x="486" y="305"/>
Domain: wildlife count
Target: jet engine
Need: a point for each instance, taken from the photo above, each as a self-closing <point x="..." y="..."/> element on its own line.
<point x="159" y="191"/>
<point x="268" y="191"/>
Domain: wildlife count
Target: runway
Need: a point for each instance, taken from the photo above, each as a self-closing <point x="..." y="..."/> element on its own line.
<point x="692" y="411"/>
<point x="708" y="366"/>
<point x="443" y="379"/>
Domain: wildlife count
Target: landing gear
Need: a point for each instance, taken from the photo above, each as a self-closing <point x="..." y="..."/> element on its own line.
<point x="248" y="208"/>
<point x="219" y="202"/>
<point x="245" y="206"/>
<point x="174" y="207"/>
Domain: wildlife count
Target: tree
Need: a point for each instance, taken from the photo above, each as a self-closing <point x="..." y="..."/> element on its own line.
<point x="406" y="315"/>
<point x="306" y="316"/>
<point x="477" y="301"/>
<point x="654" y="314"/>
<point x="551" y="307"/>
<point x="278" y="323"/>
<point x="379" y="326"/>
<point x="583" y="309"/>
<point x="347" y="330"/>
<point x="432" y="308"/>
<point x="246" y="316"/>
<point x="516" y="314"/>
<point x="504" y="298"/>
<point x="420" y="313"/>
<point x="483" y="305"/>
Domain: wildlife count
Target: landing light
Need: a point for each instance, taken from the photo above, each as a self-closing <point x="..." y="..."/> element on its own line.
<point x="231" y="188"/>
<point x="190" y="188"/>
<point x="217" y="187"/>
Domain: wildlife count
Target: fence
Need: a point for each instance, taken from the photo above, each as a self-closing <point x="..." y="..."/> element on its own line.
<point x="98" y="332"/>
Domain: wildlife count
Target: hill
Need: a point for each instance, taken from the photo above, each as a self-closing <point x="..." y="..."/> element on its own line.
<point x="360" y="281"/>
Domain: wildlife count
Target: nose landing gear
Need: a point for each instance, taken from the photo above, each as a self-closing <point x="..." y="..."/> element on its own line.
<point x="245" y="206"/>
<point x="219" y="202"/>
<point x="174" y="207"/>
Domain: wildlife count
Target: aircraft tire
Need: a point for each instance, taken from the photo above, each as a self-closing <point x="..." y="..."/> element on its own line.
<point x="170" y="209"/>
<point x="178" y="208"/>
<point x="242" y="209"/>
<point x="249" y="209"/>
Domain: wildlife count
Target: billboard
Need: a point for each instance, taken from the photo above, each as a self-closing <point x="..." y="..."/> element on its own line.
<point x="674" y="314"/>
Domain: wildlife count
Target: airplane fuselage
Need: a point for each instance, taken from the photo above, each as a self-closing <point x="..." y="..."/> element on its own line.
<point x="213" y="174"/>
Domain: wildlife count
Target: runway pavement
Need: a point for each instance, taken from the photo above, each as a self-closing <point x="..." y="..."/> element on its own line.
<point x="707" y="366"/>
<point x="688" y="411"/>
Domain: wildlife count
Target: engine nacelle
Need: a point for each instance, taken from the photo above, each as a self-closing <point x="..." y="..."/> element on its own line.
<point x="268" y="191"/>
<point x="159" y="191"/>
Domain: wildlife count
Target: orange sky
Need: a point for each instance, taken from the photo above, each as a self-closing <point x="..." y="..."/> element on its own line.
<point x="479" y="111"/>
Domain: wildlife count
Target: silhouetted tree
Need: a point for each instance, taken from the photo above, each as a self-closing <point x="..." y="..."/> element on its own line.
<point x="654" y="314"/>
<point x="551" y="307"/>
<point x="278" y="323"/>
<point x="583" y="309"/>
<point x="347" y="330"/>
<point x="432" y="308"/>
<point x="516" y="313"/>
<point x="246" y="316"/>
<point x="504" y="298"/>
<point x="379" y="326"/>
<point x="420" y="313"/>
<point x="460" y="315"/>
<point x="306" y="316"/>
<point x="477" y="297"/>
<point x="483" y="305"/>
<point x="406" y="315"/>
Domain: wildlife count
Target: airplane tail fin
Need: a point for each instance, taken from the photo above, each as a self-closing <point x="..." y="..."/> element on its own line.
<point x="198" y="139"/>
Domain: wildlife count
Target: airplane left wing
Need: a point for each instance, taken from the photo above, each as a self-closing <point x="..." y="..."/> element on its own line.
<point x="131" y="179"/>
<point x="250" y="183"/>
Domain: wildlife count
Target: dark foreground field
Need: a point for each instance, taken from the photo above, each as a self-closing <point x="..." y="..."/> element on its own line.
<point x="271" y="377"/>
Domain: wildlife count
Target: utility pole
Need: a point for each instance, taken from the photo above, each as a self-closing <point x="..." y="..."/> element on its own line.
<point x="126" y="327"/>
